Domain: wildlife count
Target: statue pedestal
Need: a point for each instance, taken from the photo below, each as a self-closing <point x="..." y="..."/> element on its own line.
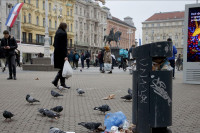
<point x="39" y="64"/>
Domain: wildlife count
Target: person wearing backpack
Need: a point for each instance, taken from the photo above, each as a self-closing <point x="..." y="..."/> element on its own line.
<point x="76" y="59"/>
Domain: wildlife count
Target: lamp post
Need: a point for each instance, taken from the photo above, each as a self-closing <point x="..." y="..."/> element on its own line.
<point x="55" y="8"/>
<point x="129" y="32"/>
<point x="46" y="38"/>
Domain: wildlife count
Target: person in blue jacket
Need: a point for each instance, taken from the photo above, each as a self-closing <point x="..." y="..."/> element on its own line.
<point x="172" y="59"/>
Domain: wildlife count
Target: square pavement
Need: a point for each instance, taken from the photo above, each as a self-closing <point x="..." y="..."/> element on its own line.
<point x="186" y="97"/>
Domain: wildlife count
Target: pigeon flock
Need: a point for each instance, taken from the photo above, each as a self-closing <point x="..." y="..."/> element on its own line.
<point x="54" y="113"/>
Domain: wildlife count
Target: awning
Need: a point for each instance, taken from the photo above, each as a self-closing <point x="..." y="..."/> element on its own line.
<point x="32" y="49"/>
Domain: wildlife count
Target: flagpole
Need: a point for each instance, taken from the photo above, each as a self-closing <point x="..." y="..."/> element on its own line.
<point x="20" y="36"/>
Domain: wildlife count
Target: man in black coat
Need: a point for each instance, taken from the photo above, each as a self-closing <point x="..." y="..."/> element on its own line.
<point x="87" y="57"/>
<point x="60" y="53"/>
<point x="9" y="44"/>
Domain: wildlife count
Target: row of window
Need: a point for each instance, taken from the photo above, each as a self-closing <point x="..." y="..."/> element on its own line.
<point x="152" y="31"/>
<point x="39" y="38"/>
<point x="50" y="22"/>
<point x="164" y="24"/>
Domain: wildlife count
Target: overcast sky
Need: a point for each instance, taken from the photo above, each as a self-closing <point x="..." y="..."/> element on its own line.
<point x="140" y="10"/>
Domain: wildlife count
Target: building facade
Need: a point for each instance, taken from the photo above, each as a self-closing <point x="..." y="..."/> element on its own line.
<point x="89" y="20"/>
<point x="127" y="28"/>
<point x="161" y="26"/>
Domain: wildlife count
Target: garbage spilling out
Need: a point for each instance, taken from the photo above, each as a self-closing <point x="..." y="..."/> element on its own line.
<point x="160" y="63"/>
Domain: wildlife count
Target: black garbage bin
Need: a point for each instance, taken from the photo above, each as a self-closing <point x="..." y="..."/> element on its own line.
<point x="152" y="90"/>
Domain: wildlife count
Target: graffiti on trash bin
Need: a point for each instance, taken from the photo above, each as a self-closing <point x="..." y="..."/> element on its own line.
<point x="143" y="77"/>
<point x="159" y="88"/>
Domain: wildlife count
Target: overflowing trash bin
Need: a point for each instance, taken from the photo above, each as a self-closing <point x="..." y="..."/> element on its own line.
<point x="152" y="88"/>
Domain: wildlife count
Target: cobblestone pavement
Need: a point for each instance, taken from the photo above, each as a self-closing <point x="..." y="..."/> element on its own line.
<point x="186" y="105"/>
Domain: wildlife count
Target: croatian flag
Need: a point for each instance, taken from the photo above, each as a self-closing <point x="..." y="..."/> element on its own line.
<point x="13" y="14"/>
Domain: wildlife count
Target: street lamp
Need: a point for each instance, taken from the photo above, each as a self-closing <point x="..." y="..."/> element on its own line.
<point x="129" y="32"/>
<point x="55" y="8"/>
<point x="46" y="38"/>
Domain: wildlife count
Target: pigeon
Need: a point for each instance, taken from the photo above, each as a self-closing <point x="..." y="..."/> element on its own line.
<point x="55" y="94"/>
<point x="130" y="92"/>
<point x="51" y="114"/>
<point x="55" y="130"/>
<point x="90" y="125"/>
<point x="103" y="108"/>
<point x="127" y="97"/>
<point x="30" y="99"/>
<point x="7" y="115"/>
<point x="60" y="88"/>
<point x="42" y="111"/>
<point x="80" y="91"/>
<point x="57" y="109"/>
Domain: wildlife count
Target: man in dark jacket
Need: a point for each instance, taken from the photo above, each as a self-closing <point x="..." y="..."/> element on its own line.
<point x="87" y="57"/>
<point x="9" y="44"/>
<point x="76" y="59"/>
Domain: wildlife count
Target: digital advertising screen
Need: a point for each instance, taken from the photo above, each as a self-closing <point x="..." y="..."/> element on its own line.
<point x="193" y="41"/>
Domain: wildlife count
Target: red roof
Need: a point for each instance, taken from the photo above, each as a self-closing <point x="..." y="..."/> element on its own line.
<point x="166" y="16"/>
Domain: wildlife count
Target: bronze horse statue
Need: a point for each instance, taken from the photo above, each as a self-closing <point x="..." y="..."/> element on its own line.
<point x="112" y="37"/>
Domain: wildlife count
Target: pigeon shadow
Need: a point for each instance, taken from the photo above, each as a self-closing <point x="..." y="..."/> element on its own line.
<point x="34" y="104"/>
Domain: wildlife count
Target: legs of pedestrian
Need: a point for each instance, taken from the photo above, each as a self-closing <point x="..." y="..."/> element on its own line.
<point x="55" y="81"/>
<point x="62" y="80"/>
<point x="3" y="66"/>
<point x="13" y="63"/>
<point x="172" y="63"/>
<point x="76" y="64"/>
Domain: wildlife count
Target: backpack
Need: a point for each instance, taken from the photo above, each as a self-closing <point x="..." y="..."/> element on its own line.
<point x="76" y="57"/>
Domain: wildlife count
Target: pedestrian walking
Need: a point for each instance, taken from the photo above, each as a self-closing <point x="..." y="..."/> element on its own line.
<point x="82" y="59"/>
<point x="178" y="62"/>
<point x="17" y="54"/>
<point x="60" y="53"/>
<point x="107" y="57"/>
<point x="87" y="57"/>
<point x="100" y="57"/>
<point x="172" y="59"/>
<point x="70" y="58"/>
<point x="2" y="59"/>
<point x="113" y="60"/>
<point x="9" y="44"/>
<point x="76" y="59"/>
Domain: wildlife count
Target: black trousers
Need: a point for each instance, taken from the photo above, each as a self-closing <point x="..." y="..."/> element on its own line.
<point x="172" y="63"/>
<point x="11" y="65"/>
<point x="88" y="62"/>
<point x="82" y="64"/>
<point x="76" y="64"/>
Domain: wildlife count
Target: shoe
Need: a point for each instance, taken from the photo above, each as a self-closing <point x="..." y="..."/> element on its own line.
<point x="62" y="82"/>
<point x="173" y="77"/>
<point x="15" y="78"/>
<point x="102" y="71"/>
<point x="9" y="78"/>
<point x="68" y="87"/>
<point x="110" y="72"/>
<point x="55" y="81"/>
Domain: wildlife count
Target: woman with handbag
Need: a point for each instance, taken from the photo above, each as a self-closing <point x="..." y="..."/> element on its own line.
<point x="107" y="59"/>
<point x="60" y="53"/>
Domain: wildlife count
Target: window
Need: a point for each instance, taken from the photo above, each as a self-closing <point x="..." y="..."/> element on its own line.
<point x="37" y="20"/>
<point x="0" y="26"/>
<point x="50" y="40"/>
<point x="29" y="1"/>
<point x="37" y="5"/>
<point x="152" y="38"/>
<point x="152" y="31"/>
<point x="176" y="36"/>
<point x="39" y="39"/>
<point x="55" y="24"/>
<point x="76" y="10"/>
<point x="71" y="27"/>
<point x="43" y="22"/>
<point x="80" y="11"/>
<point x="43" y="5"/>
<point x="50" y="23"/>
<point x="67" y="12"/>
<point x="49" y="7"/>
<point x="29" y="18"/>
<point x="164" y="37"/>
<point x="68" y="28"/>
<point x="71" y="12"/>
<point x="30" y="37"/>
<point x="146" y="25"/>
<point x="76" y="24"/>
<point x="24" y="19"/>
<point x="152" y="25"/>
<point x="24" y="37"/>
<point x="24" y="1"/>
<point x="158" y="24"/>
<point x="70" y="43"/>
